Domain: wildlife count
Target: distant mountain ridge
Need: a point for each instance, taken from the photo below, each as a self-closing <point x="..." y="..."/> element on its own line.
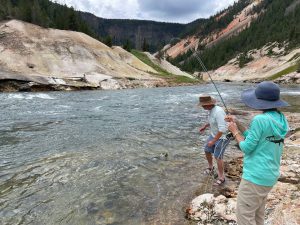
<point x="138" y="32"/>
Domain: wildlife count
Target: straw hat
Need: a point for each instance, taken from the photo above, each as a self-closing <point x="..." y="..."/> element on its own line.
<point x="206" y="100"/>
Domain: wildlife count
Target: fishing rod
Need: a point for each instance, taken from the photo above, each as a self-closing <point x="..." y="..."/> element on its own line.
<point x="228" y="135"/>
<point x="205" y="70"/>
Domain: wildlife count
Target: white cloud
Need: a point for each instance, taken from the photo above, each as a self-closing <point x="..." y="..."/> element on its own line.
<point x="182" y="11"/>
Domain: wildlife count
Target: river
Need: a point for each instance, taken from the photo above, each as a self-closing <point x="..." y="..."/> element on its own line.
<point x="105" y="157"/>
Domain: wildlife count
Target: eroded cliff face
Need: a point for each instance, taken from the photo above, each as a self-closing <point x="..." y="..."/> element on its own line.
<point x="50" y="56"/>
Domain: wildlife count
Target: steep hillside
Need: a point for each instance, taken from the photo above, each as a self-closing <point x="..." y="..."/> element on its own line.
<point x="140" y="34"/>
<point x="219" y="27"/>
<point x="256" y="25"/>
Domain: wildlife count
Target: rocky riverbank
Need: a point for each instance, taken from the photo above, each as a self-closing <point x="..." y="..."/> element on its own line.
<point x="218" y="205"/>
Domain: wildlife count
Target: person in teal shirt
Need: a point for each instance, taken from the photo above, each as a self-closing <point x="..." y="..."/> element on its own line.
<point x="262" y="145"/>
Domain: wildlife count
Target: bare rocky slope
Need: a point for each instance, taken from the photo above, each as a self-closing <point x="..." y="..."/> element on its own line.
<point x="263" y="66"/>
<point x="67" y="60"/>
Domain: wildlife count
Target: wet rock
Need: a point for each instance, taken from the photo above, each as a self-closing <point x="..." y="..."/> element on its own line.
<point x="110" y="84"/>
<point x="164" y="155"/>
<point x="92" y="208"/>
<point x="105" y="217"/>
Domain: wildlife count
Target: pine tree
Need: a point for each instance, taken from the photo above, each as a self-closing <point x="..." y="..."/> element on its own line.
<point x="108" y="41"/>
<point x="145" y="46"/>
<point x="127" y="46"/>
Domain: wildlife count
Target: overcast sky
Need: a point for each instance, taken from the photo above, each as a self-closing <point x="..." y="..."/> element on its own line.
<point x="181" y="11"/>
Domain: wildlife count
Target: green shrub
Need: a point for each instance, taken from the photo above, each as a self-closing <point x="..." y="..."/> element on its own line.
<point x="243" y="59"/>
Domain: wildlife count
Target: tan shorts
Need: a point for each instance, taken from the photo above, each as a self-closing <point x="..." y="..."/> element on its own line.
<point x="251" y="200"/>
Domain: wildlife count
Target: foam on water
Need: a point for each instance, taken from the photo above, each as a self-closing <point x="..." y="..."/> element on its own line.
<point x="290" y="92"/>
<point x="29" y="96"/>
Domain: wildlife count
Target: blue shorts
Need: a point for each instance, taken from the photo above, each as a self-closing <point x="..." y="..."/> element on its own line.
<point x="218" y="148"/>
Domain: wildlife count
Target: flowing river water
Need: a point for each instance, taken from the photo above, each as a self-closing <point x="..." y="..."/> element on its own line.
<point x="105" y="157"/>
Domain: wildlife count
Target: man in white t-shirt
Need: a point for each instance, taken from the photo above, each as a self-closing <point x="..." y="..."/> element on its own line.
<point x="216" y="142"/>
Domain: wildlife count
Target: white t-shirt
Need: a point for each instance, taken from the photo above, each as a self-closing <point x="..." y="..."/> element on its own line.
<point x="216" y="121"/>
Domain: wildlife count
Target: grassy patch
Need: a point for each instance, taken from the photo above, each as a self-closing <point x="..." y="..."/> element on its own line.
<point x="144" y="58"/>
<point x="284" y="72"/>
<point x="184" y="79"/>
<point x="162" y="72"/>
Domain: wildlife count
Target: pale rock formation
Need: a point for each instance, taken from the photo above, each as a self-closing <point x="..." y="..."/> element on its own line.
<point x="164" y="64"/>
<point x="261" y="67"/>
<point x="59" y="57"/>
<point x="207" y="209"/>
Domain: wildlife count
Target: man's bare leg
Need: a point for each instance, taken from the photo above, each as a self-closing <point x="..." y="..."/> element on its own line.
<point x="220" y="164"/>
<point x="209" y="159"/>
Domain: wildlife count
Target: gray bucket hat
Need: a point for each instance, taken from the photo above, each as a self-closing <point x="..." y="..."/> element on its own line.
<point x="266" y="95"/>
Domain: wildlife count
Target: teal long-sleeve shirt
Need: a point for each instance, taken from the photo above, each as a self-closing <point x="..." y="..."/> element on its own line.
<point x="262" y="148"/>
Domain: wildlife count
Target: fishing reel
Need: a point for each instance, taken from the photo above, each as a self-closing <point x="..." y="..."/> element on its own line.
<point x="229" y="136"/>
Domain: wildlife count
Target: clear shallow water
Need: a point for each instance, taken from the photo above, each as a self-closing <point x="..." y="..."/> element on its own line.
<point x="97" y="157"/>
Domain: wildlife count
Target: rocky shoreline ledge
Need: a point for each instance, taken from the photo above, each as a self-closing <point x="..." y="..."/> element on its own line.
<point x="11" y="85"/>
<point x="217" y="205"/>
<point x="75" y="84"/>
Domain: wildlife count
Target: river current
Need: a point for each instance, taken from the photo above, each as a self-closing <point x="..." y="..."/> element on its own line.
<point x="105" y="157"/>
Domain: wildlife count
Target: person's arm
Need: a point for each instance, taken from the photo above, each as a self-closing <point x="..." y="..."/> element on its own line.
<point x="254" y="134"/>
<point x="203" y="128"/>
<point x="214" y="140"/>
<point x="240" y="126"/>
<point x="236" y="132"/>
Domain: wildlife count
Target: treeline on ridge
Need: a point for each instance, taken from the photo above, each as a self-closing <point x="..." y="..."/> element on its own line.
<point x="44" y="13"/>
